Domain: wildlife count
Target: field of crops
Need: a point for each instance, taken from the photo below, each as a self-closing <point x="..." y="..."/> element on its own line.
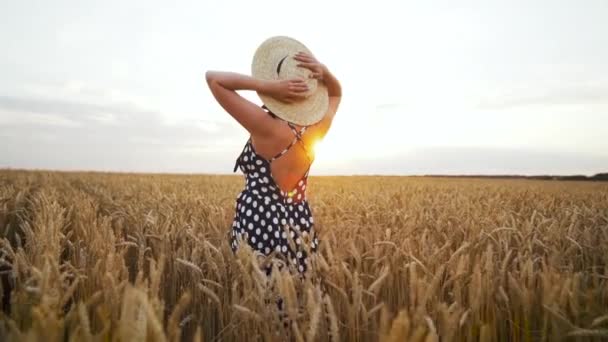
<point x="132" y="257"/>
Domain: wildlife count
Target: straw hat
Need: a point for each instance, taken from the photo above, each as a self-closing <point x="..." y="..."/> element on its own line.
<point x="273" y="61"/>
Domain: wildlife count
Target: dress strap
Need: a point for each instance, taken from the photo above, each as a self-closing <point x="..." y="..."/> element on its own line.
<point x="278" y="155"/>
<point x="297" y="133"/>
<point x="298" y="137"/>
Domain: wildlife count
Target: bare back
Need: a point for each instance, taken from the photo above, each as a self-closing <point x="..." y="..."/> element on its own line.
<point x="295" y="161"/>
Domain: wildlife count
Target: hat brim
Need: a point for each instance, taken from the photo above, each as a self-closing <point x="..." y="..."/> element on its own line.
<point x="266" y="60"/>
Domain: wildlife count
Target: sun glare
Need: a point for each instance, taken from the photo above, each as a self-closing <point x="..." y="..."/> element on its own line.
<point x="317" y="146"/>
<point x="328" y="152"/>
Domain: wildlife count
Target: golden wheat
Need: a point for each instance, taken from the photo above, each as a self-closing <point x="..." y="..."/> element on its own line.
<point x="133" y="257"/>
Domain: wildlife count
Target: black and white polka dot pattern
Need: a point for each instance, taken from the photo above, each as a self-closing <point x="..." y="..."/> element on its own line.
<point x="266" y="217"/>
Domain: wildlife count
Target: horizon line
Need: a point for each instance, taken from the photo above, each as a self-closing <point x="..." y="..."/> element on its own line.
<point x="177" y="173"/>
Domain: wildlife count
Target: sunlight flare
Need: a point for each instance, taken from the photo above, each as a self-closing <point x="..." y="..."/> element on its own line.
<point x="317" y="146"/>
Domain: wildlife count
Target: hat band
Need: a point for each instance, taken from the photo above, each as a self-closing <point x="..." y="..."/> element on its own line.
<point x="281" y="63"/>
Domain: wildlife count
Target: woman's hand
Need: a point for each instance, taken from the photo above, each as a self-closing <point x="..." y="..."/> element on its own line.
<point x="288" y="91"/>
<point x="311" y="63"/>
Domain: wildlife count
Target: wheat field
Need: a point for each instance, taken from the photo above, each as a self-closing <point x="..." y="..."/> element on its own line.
<point x="134" y="257"/>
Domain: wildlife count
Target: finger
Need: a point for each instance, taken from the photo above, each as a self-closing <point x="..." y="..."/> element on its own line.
<point x="304" y="53"/>
<point x="296" y="95"/>
<point x="307" y="57"/>
<point x="316" y="75"/>
<point x="297" y="86"/>
<point x="306" y="65"/>
<point x="299" y="89"/>
<point x="302" y="58"/>
<point x="297" y="81"/>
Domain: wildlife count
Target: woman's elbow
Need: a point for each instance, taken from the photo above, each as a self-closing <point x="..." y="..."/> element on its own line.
<point x="209" y="76"/>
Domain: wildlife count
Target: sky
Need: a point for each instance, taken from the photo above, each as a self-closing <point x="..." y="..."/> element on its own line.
<point x="429" y="87"/>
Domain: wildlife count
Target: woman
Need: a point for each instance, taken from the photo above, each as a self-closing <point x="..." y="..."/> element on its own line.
<point x="301" y="97"/>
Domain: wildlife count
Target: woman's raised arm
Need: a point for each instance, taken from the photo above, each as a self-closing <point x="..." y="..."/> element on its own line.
<point x="223" y="86"/>
<point x="334" y="89"/>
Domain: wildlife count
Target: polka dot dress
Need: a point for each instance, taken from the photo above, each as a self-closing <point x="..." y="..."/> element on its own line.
<point x="268" y="218"/>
